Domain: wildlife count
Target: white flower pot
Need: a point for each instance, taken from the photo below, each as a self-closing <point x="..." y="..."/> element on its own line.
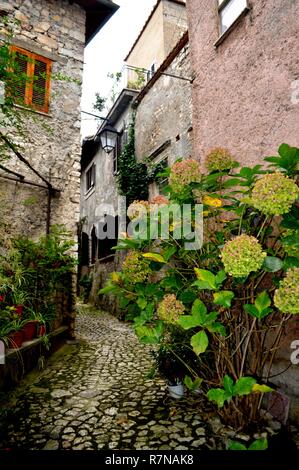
<point x="176" y="391"/>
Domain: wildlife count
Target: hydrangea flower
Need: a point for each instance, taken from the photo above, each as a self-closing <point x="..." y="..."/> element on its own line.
<point x="137" y="209"/>
<point x="159" y="200"/>
<point x="184" y="173"/>
<point x="274" y="194"/>
<point x="219" y="159"/>
<point x="170" y="309"/>
<point x="242" y="255"/>
<point x="286" y="297"/>
<point x="135" y="268"/>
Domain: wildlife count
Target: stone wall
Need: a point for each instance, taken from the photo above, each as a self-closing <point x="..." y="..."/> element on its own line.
<point x="54" y="29"/>
<point x="244" y="95"/>
<point x="164" y="115"/>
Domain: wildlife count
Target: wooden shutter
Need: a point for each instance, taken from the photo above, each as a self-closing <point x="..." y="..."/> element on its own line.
<point x="32" y="81"/>
<point x="40" y="89"/>
<point x="19" y="81"/>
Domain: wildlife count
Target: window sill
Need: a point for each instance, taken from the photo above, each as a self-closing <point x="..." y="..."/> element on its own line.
<point x="35" y="111"/>
<point x="232" y="26"/>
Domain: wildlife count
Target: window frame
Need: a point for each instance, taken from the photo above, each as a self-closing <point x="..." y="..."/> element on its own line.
<point x="92" y="169"/>
<point x="28" y="98"/>
<point x="220" y="7"/>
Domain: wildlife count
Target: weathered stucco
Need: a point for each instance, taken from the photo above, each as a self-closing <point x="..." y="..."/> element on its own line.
<point x="242" y="94"/>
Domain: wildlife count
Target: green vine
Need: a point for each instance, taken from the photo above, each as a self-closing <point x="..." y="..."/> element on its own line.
<point x="132" y="178"/>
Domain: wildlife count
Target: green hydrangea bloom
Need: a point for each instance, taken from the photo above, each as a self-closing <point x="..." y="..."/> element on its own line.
<point x="242" y="255"/>
<point x="274" y="194"/>
<point x="135" y="268"/>
<point x="170" y="309"/>
<point x="219" y="159"/>
<point x="286" y="297"/>
<point x="184" y="173"/>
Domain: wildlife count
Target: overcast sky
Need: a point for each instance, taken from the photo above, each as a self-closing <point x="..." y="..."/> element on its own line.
<point x="106" y="52"/>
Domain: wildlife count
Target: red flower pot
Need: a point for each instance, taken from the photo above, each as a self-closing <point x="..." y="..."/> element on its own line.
<point x="29" y="331"/>
<point x="41" y="330"/>
<point x="15" y="339"/>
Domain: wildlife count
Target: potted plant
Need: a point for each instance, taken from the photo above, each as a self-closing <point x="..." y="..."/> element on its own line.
<point x="170" y="368"/>
<point x="15" y="334"/>
<point x="19" y="299"/>
<point x="30" y="325"/>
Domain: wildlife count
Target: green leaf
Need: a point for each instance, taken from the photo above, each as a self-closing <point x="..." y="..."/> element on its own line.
<point x="217" y="327"/>
<point x="188" y="296"/>
<point x="124" y="302"/>
<point x="220" y="277"/>
<point x="291" y="240"/>
<point x="141" y="302"/>
<point x="259" y="444"/>
<point x="291" y="220"/>
<point x="151" y="290"/>
<point x="171" y="282"/>
<point x="252" y="310"/>
<point x="154" y="257"/>
<point x="149" y="335"/>
<point x="244" y="386"/>
<point x="235" y="445"/>
<point x="206" y="276"/>
<point x="109" y="288"/>
<point x="202" y="285"/>
<point x="228" y="385"/>
<point x="192" y="385"/>
<point x="169" y="252"/>
<point x="272" y="264"/>
<point x="199" y="308"/>
<point x="231" y="182"/>
<point x="262" y="301"/>
<point x="223" y="298"/>
<point x="199" y="342"/>
<point x="219" y="396"/>
<point x="290" y="262"/>
<point x="261" y="389"/>
<point x="189" y="321"/>
<point x="210" y="319"/>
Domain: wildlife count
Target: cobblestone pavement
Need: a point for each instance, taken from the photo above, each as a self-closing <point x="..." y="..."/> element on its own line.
<point x="95" y="395"/>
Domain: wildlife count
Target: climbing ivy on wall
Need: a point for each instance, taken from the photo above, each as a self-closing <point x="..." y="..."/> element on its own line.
<point x="132" y="176"/>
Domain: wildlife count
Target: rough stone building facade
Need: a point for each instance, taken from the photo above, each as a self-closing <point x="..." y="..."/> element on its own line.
<point x="54" y="34"/>
<point x="245" y="98"/>
<point x="164" y="130"/>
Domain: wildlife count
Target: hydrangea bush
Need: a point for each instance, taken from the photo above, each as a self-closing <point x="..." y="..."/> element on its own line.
<point x="223" y="304"/>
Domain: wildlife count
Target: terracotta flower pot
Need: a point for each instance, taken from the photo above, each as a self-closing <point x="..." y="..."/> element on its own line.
<point x="15" y="339"/>
<point x="41" y="330"/>
<point x="29" y="331"/>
